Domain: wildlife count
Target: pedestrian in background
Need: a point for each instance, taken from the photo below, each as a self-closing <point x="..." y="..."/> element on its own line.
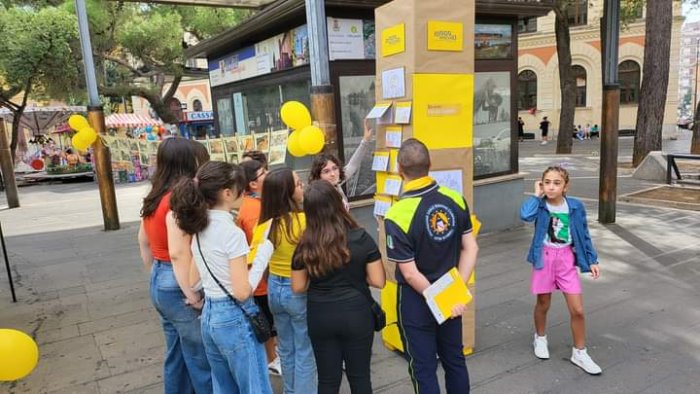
<point x="281" y="211"/>
<point x="165" y="251"/>
<point x="248" y="216"/>
<point x="544" y="127"/>
<point x="334" y="263"/>
<point x="428" y="233"/>
<point x="561" y="242"/>
<point x="327" y="167"/>
<point x="202" y="209"/>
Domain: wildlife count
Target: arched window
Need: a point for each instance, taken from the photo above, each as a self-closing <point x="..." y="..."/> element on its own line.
<point x="580" y="80"/>
<point x="628" y="73"/>
<point x="197" y="106"/>
<point x="527" y="90"/>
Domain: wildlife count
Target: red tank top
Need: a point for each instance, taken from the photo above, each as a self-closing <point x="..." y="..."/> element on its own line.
<point x="156" y="231"/>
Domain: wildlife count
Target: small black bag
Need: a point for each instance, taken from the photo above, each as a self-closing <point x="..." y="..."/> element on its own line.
<point x="258" y="323"/>
<point x="377" y="311"/>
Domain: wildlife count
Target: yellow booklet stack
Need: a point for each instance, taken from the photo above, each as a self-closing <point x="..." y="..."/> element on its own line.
<point x="445" y="293"/>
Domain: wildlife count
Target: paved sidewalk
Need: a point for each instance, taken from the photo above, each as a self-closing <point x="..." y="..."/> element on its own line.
<point x="83" y="295"/>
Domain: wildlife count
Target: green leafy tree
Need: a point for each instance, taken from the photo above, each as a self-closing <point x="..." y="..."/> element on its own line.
<point x="35" y="57"/>
<point x="140" y="47"/>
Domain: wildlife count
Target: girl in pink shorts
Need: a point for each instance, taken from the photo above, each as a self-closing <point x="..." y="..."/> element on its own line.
<point x="561" y="243"/>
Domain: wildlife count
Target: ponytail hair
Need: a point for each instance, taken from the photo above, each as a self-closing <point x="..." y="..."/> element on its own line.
<point x="192" y="197"/>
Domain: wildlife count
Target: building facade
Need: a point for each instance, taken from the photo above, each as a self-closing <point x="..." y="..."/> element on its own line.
<point x="687" y="74"/>
<point x="538" y="75"/>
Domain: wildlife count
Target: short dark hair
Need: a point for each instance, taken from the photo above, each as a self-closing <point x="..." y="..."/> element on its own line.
<point x="414" y="158"/>
<point x="250" y="170"/>
<point x="319" y="162"/>
<point x="255" y="155"/>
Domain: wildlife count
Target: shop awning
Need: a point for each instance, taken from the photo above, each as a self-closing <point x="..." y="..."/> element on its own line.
<point x="130" y="120"/>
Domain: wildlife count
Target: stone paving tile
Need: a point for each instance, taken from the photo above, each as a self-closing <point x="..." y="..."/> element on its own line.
<point x="136" y="379"/>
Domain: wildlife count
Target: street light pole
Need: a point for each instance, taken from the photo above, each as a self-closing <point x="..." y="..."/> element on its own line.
<point x="697" y="58"/>
<point x="103" y="162"/>
<point x="607" y="192"/>
<point x="322" y="100"/>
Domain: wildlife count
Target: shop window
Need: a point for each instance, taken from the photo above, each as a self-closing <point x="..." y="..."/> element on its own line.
<point x="629" y="76"/>
<point x="581" y="82"/>
<point x="225" y="116"/>
<point x="257" y="112"/>
<point x="492" y="123"/>
<point x="527" y="90"/>
<point x="197" y="105"/>
<point x="356" y="100"/>
<point x="578" y="12"/>
<point x="527" y="25"/>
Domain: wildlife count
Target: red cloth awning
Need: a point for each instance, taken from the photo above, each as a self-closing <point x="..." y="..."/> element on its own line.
<point x="130" y="120"/>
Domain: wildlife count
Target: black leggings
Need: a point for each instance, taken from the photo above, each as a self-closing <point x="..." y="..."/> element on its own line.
<point x="342" y="331"/>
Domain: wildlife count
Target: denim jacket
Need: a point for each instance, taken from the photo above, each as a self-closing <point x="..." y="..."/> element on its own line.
<point x="535" y="209"/>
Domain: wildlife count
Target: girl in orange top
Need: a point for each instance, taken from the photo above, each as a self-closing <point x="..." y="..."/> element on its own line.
<point x="165" y="250"/>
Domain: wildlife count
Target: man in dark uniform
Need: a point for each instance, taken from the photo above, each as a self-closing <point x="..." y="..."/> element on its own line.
<point x="429" y="232"/>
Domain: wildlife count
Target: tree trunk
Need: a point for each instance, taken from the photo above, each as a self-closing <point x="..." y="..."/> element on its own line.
<point x="695" y="141"/>
<point x="567" y="83"/>
<point x="652" y="96"/>
<point x="16" y="119"/>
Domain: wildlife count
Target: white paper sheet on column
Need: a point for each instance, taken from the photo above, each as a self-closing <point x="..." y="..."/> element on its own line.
<point x="380" y="162"/>
<point x="381" y="205"/>
<point x="393" y="83"/>
<point x="402" y="112"/>
<point x="393" y="136"/>
<point x="449" y="178"/>
<point x="392" y="185"/>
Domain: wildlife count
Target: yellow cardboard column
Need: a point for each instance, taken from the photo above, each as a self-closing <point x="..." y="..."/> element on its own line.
<point x="431" y="44"/>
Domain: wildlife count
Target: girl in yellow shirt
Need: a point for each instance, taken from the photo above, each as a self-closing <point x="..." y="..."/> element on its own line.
<point x="281" y="203"/>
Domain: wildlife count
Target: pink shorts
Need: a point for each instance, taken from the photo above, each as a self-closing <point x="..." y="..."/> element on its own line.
<point x="558" y="272"/>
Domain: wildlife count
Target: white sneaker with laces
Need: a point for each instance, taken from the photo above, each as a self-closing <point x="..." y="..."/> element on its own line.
<point x="581" y="358"/>
<point x="275" y="367"/>
<point x="544" y="143"/>
<point x="540" y="345"/>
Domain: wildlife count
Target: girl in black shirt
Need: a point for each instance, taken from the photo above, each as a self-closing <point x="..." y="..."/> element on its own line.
<point x="333" y="251"/>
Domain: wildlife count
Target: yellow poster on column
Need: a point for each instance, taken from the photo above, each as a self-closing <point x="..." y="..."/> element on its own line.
<point x="445" y="36"/>
<point x="393" y="40"/>
<point x="443" y="110"/>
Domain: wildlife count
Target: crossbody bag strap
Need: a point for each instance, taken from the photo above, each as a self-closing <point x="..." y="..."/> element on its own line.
<point x="235" y="301"/>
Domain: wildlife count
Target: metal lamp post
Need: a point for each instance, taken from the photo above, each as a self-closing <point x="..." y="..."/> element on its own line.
<point x="103" y="162"/>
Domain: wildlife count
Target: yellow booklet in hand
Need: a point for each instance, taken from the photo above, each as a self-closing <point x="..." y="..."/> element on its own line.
<point x="445" y="293"/>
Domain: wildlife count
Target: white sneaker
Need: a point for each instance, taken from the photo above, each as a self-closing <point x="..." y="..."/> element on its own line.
<point x="540" y="345"/>
<point x="544" y="143"/>
<point x="275" y="367"/>
<point x="581" y="358"/>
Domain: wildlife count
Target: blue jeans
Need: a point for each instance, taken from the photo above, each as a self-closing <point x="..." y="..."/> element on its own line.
<point x="238" y="360"/>
<point x="296" y="353"/>
<point x="186" y="368"/>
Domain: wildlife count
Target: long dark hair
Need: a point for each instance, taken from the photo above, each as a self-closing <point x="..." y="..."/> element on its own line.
<point x="192" y="197"/>
<point x="177" y="157"/>
<point x="277" y="203"/>
<point x="319" y="162"/>
<point x="323" y="247"/>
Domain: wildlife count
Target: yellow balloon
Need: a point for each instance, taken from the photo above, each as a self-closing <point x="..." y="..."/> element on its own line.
<point x="295" y="115"/>
<point x="293" y="145"/>
<point x="80" y="141"/>
<point x="18" y="354"/>
<point x="312" y="139"/>
<point x="78" y="122"/>
<point x="90" y="135"/>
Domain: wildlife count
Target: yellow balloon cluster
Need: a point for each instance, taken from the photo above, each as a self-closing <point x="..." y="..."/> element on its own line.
<point x="306" y="139"/>
<point x="18" y="355"/>
<point x="85" y="135"/>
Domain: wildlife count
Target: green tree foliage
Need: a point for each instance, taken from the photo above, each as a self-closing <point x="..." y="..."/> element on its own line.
<point x="137" y="49"/>
<point x="35" y="57"/>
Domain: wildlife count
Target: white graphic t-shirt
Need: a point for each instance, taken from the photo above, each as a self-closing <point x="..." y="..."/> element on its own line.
<point x="558" y="230"/>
